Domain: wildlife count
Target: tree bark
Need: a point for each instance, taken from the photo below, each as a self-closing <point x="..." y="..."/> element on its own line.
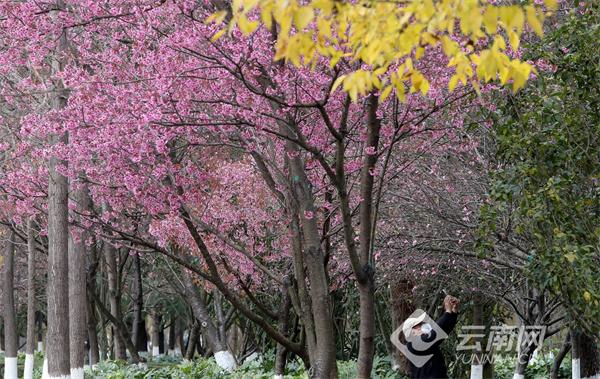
<point x="138" y="328"/>
<point x="192" y="341"/>
<point x="31" y="319"/>
<point x="366" y="275"/>
<point x="92" y="319"/>
<point x="217" y="344"/>
<point x="10" y="319"/>
<point x="155" y="339"/>
<point x="114" y="298"/>
<point x="566" y="346"/>
<point x="590" y="356"/>
<point x="57" y="336"/>
<point x="78" y="330"/>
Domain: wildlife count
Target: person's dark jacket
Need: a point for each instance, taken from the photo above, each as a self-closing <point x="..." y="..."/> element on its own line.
<point x="435" y="368"/>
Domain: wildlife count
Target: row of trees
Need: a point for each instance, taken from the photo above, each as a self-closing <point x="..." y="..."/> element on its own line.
<point x="196" y="182"/>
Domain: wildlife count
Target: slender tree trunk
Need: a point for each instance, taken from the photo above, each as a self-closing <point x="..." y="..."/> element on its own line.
<point x="366" y="276"/>
<point x="192" y="341"/>
<point x="155" y="338"/>
<point x="284" y="317"/>
<point x="575" y="354"/>
<point x="114" y="299"/>
<point x="78" y="330"/>
<point x="171" y="341"/>
<point x="566" y="346"/>
<point x="478" y="361"/>
<point x="218" y="345"/>
<point x="523" y="357"/>
<point x="138" y="329"/>
<point x="31" y="319"/>
<point x="323" y="363"/>
<point x="92" y="331"/>
<point x="10" y="319"/>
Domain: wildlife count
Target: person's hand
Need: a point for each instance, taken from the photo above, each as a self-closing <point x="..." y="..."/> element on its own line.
<point x="451" y="304"/>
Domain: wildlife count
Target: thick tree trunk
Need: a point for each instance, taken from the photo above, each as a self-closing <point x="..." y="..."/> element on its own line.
<point x="590" y="357"/>
<point x="31" y="319"/>
<point x="10" y="319"/>
<point x="138" y="328"/>
<point x="57" y="337"/>
<point x="114" y="298"/>
<point x="575" y="354"/>
<point x="78" y="331"/>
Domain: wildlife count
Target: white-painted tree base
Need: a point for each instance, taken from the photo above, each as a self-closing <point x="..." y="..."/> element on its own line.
<point x="576" y="369"/>
<point x="518" y="376"/>
<point x="60" y="377"/>
<point x="40" y="346"/>
<point x="476" y="371"/>
<point x="597" y="376"/>
<point x="171" y="352"/>
<point x="45" y="369"/>
<point x="10" y="368"/>
<point x="77" y="373"/>
<point x="278" y="377"/>
<point x="28" y="368"/>
<point x="155" y="351"/>
<point x="225" y="360"/>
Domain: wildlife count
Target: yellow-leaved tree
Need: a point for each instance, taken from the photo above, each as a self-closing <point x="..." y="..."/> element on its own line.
<point x="384" y="34"/>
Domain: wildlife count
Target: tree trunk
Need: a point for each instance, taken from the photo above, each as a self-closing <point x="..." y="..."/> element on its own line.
<point x="590" y="357"/>
<point x="172" y="332"/>
<point x="138" y="328"/>
<point x="114" y="298"/>
<point x="218" y="345"/>
<point x="323" y="362"/>
<point x="10" y="321"/>
<point x="366" y="275"/>
<point x="192" y="341"/>
<point x="57" y="337"/>
<point x="31" y="319"/>
<point x="92" y="330"/>
<point x="284" y="317"/>
<point x="523" y="357"/>
<point x="78" y="331"/>
<point x="155" y="339"/>
<point x="575" y="354"/>
<point x="560" y="356"/>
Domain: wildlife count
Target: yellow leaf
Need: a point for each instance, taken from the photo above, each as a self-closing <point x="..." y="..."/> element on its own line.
<point x="217" y="35"/>
<point x="303" y="16"/>
<point x="534" y="21"/>
<point x="216" y="17"/>
<point x="587" y="296"/>
<point x="453" y="82"/>
<point x="490" y="19"/>
<point x="571" y="257"/>
<point x="419" y="52"/>
<point x="551" y="4"/>
<point x="245" y="25"/>
<point x="385" y="93"/>
<point x="337" y="82"/>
